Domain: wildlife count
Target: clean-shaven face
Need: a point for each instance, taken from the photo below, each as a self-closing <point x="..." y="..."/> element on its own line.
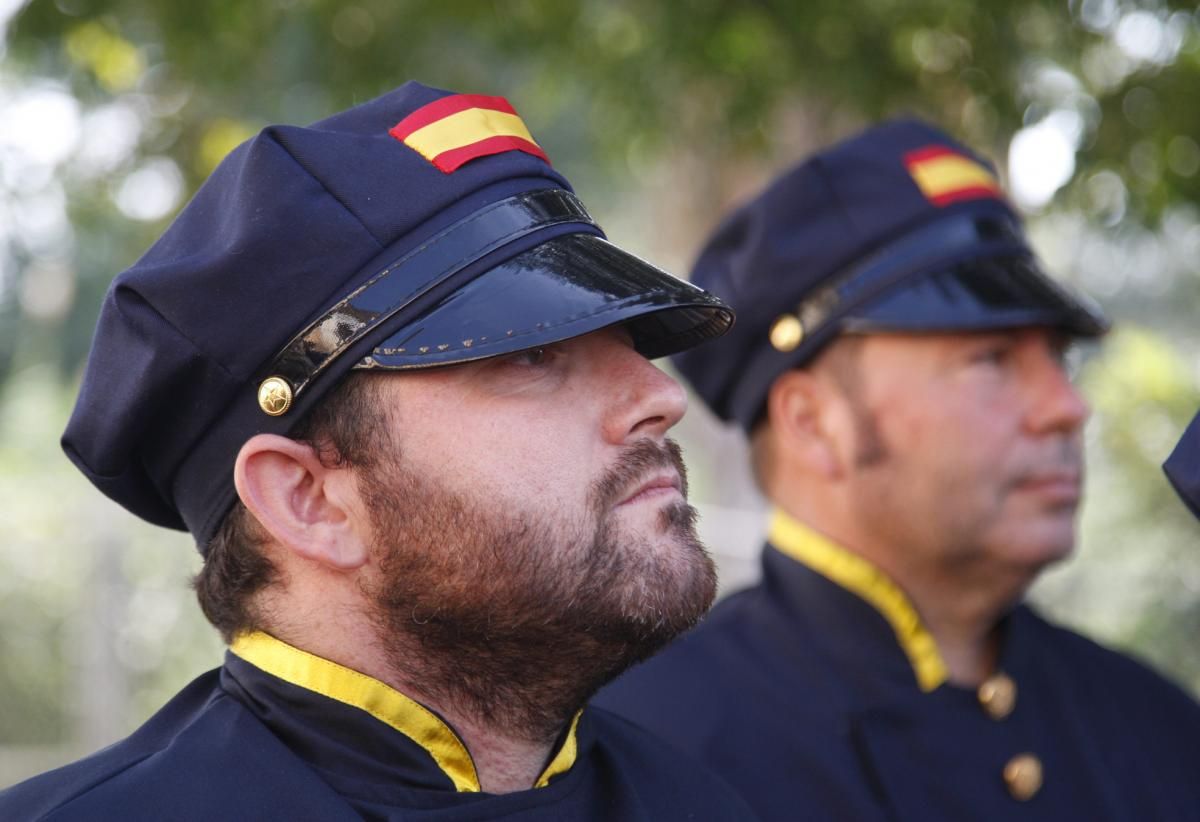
<point x="969" y="451"/>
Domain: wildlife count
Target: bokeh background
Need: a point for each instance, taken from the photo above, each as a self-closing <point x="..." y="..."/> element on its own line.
<point x="664" y="115"/>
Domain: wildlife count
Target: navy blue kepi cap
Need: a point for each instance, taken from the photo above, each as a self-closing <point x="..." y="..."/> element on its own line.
<point x="421" y="229"/>
<point x="1183" y="466"/>
<point x="898" y="229"/>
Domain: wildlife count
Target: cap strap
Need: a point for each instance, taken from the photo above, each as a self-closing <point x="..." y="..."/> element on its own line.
<point x="940" y="243"/>
<point x="414" y="274"/>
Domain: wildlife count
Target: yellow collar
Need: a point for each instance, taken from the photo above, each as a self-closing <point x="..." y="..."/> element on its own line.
<point x="386" y="704"/>
<point x="857" y="575"/>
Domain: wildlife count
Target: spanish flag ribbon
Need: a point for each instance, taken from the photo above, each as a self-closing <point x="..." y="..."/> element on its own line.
<point x="456" y="129"/>
<point x="945" y="176"/>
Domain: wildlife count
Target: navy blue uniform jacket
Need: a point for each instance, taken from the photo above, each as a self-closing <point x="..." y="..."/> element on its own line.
<point x="827" y="700"/>
<point x="291" y="736"/>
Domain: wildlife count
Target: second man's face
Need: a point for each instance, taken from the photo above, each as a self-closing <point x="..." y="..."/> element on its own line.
<point x="976" y="458"/>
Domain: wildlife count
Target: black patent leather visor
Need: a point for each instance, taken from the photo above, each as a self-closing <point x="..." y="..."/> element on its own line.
<point x="965" y="273"/>
<point x="566" y="287"/>
<point x="978" y="295"/>
<point x="434" y="313"/>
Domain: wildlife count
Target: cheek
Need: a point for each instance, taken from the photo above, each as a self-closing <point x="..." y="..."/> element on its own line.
<point x="967" y="426"/>
<point x="923" y="434"/>
<point x="956" y="450"/>
<point x="524" y="464"/>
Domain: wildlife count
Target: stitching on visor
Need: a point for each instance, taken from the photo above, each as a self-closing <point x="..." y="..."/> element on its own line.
<point x="538" y="328"/>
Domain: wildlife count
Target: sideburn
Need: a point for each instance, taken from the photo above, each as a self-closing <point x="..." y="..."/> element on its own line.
<point x="843" y="359"/>
<point x="871" y="449"/>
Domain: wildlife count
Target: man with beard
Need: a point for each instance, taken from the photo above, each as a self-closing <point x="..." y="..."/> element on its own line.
<point x="390" y="375"/>
<point x="898" y="367"/>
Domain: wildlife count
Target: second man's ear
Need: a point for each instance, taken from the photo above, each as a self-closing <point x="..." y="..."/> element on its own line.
<point x="309" y="508"/>
<point x="802" y="412"/>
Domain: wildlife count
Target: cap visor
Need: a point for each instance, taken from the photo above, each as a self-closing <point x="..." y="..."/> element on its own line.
<point x="566" y="287"/>
<point x="979" y="295"/>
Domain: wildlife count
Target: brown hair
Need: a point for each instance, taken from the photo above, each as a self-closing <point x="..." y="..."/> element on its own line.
<point x="344" y="429"/>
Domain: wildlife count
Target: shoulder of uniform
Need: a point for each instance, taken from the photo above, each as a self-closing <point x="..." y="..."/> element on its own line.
<point x="74" y="791"/>
<point x="63" y="794"/>
<point x="676" y="777"/>
<point x="684" y="692"/>
<point x="634" y="745"/>
<point x="1119" y="673"/>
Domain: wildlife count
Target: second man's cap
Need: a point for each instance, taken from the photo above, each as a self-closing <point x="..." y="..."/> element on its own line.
<point x="899" y="228"/>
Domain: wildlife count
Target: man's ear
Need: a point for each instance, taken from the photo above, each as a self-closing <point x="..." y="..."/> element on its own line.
<point x="309" y="508"/>
<point x="798" y="407"/>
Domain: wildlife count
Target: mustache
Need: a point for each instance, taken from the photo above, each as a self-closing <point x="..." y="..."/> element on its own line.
<point x="634" y="463"/>
<point x="1064" y="457"/>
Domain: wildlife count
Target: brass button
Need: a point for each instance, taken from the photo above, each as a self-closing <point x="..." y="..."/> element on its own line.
<point x="1023" y="776"/>
<point x="786" y="333"/>
<point x="274" y="396"/>
<point x="998" y="696"/>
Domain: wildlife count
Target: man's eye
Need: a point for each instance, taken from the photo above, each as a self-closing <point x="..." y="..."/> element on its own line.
<point x="530" y="356"/>
<point x="992" y="355"/>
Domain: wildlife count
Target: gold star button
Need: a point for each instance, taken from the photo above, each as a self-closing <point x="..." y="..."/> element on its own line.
<point x="786" y="333"/>
<point x="998" y="696"/>
<point x="1023" y="776"/>
<point x="274" y="396"/>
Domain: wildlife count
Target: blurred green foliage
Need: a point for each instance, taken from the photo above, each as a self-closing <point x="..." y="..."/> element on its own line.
<point x="662" y="113"/>
<point x="606" y="81"/>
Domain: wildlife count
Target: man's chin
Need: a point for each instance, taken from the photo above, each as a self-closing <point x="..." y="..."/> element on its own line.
<point x="680" y="591"/>
<point x="1040" y="551"/>
<point x="653" y="629"/>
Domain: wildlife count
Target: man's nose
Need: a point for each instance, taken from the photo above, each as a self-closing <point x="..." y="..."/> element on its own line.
<point x="1058" y="405"/>
<point x="645" y="401"/>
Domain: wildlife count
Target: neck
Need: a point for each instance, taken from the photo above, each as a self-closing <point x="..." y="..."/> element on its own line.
<point x="965" y="628"/>
<point x="960" y="611"/>
<point x="503" y="763"/>
<point x="961" y="608"/>
<point x="509" y="742"/>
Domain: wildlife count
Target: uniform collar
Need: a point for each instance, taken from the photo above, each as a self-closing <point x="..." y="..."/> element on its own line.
<point x="382" y="706"/>
<point x="856" y="575"/>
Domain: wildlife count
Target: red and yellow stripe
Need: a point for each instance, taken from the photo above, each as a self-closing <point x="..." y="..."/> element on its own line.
<point x="461" y="127"/>
<point x="945" y="176"/>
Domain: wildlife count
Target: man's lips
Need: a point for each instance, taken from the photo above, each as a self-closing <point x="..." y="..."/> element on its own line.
<point x="657" y="486"/>
<point x="1062" y="486"/>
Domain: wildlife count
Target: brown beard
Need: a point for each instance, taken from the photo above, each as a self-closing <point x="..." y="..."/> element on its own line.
<point x="516" y="622"/>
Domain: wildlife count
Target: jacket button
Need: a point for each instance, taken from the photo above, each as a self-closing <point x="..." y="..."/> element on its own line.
<point x="998" y="696"/>
<point x="1023" y="776"/>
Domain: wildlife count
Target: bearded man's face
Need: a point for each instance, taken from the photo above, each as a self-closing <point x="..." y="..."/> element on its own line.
<point x="531" y="527"/>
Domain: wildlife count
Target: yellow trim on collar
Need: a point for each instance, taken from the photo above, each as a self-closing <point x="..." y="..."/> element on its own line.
<point x="381" y="701"/>
<point x="565" y="758"/>
<point x="387" y="705"/>
<point x="860" y="577"/>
